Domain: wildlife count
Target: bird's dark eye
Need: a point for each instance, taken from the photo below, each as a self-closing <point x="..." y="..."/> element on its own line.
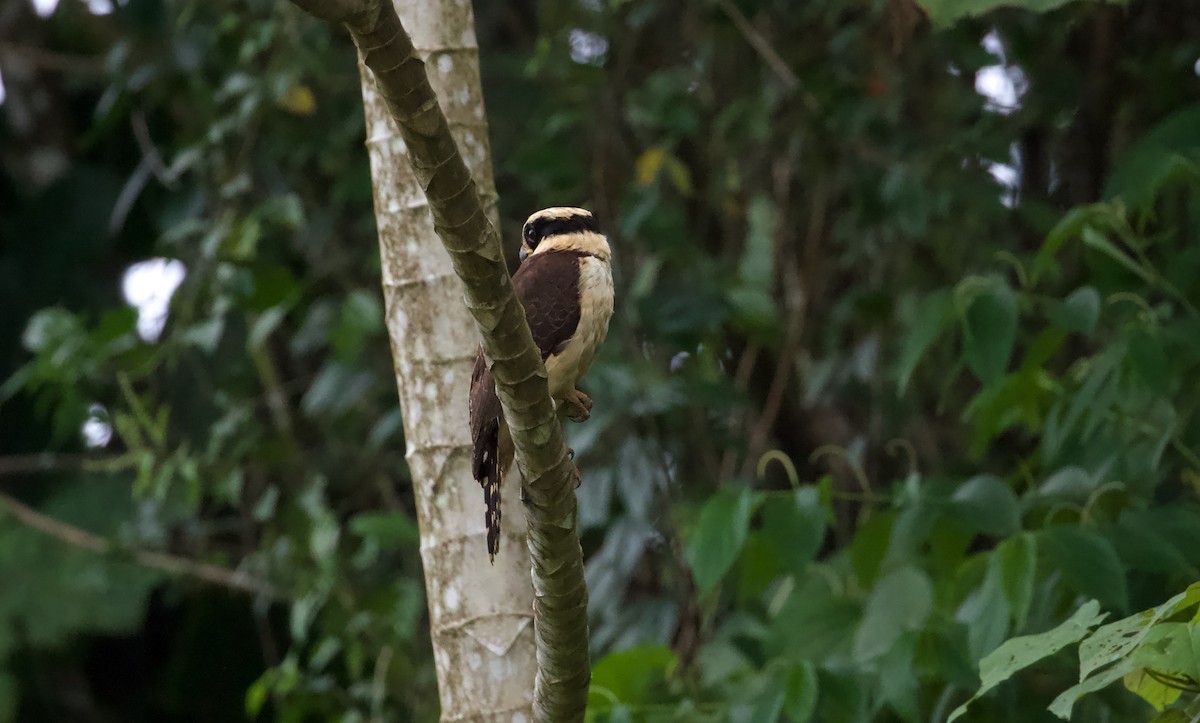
<point x="531" y="235"/>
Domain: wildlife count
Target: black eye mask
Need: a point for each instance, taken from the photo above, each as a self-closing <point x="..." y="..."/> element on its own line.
<point x="543" y="228"/>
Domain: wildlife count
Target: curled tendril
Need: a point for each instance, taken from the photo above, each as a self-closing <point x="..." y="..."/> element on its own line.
<point x="1095" y="496"/>
<point x="1063" y="506"/>
<point x="785" y="461"/>
<point x="605" y="693"/>
<point x="1134" y="299"/>
<point x="1016" y="264"/>
<point x="895" y="446"/>
<point x="836" y="451"/>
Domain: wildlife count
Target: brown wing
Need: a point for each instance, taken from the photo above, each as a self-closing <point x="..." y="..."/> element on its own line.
<point x="487" y="467"/>
<point x="548" y="286"/>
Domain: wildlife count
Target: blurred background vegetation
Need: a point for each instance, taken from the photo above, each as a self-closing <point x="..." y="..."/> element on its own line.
<point x="905" y="360"/>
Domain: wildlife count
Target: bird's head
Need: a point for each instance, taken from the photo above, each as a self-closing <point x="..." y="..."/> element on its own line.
<point x="563" y="229"/>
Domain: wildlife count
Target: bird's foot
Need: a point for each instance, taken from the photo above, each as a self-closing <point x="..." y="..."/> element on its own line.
<point x="579" y="406"/>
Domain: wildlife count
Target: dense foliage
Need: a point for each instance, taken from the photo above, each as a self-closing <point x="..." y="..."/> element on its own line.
<point x="902" y="377"/>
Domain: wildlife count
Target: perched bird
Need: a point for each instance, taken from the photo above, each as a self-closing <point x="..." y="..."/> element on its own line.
<point x="565" y="284"/>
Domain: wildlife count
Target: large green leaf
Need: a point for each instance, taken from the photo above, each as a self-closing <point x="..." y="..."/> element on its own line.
<point x="1152" y="689"/>
<point x="870" y="547"/>
<point x="1167" y="648"/>
<point x="985" y="612"/>
<point x="1167" y="150"/>
<point x="901" y="601"/>
<point x="719" y="534"/>
<point x="1016" y="558"/>
<point x="987" y="504"/>
<point x="1146" y="549"/>
<point x="1019" y="653"/>
<point x="989" y="330"/>
<point x="632" y="676"/>
<point x="1089" y="563"/>
<point x="795" y="524"/>
<point x="1078" y="312"/>
<point x="815" y="622"/>
<point x="933" y="313"/>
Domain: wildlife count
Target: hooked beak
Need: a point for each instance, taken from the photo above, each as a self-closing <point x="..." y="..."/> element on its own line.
<point x="523" y="253"/>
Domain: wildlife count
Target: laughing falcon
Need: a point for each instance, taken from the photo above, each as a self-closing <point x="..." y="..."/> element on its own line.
<point x="565" y="284"/>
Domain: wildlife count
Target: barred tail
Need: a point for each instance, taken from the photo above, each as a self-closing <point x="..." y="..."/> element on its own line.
<point x="486" y="470"/>
<point x="491" y="518"/>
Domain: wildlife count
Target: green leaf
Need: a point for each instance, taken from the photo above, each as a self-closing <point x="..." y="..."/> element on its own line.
<point x="1065" y="702"/>
<point x="719" y="534"/>
<point x="897" y="684"/>
<point x="751" y="298"/>
<point x="933" y="312"/>
<point x="336" y="389"/>
<point x="678" y="174"/>
<point x="1017" y="561"/>
<point x="990" y="331"/>
<point x="51" y="327"/>
<point x="869" y="547"/>
<point x="815" y="621"/>
<point x="304" y="612"/>
<point x="258" y="692"/>
<point x="1078" y="313"/>
<point x="755" y="309"/>
<point x="387" y="529"/>
<point x="1160" y="154"/>
<point x="633" y="675"/>
<point x="800" y="699"/>
<point x="769" y="699"/>
<point x="1070" y="226"/>
<point x="1019" y="653"/>
<point x="1150" y="689"/>
<point x="719" y="661"/>
<point x="325" y="652"/>
<point x="795" y="525"/>
<point x="986" y="614"/>
<point x="945" y="12"/>
<point x="1069" y="482"/>
<point x="1146" y="549"/>
<point x="1097" y="240"/>
<point x="361" y="317"/>
<point x="901" y="601"/>
<point x="1149" y="360"/>
<point x="987" y="504"/>
<point x="757" y="266"/>
<point x="1167" y="648"/>
<point x="205" y="335"/>
<point x="1089" y="563"/>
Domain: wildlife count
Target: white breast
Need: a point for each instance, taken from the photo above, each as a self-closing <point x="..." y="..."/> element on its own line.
<point x="596" y="294"/>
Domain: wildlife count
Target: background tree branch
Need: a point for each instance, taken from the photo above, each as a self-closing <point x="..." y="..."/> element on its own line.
<point x="170" y="564"/>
